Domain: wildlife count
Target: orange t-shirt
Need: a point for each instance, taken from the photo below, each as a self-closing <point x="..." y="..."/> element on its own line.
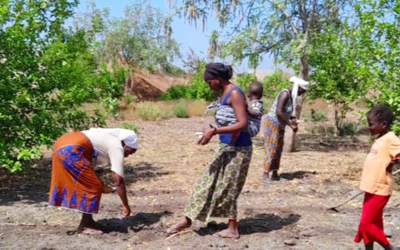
<point x="375" y="179"/>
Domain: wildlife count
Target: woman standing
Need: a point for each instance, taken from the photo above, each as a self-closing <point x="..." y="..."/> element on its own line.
<point x="75" y="185"/>
<point x="215" y="194"/>
<point x="280" y="115"/>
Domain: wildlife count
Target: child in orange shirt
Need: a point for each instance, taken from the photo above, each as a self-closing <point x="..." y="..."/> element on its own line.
<point x="377" y="179"/>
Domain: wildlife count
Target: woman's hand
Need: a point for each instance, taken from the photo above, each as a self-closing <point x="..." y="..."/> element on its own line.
<point x="208" y="134"/>
<point x="126" y="211"/>
<point x="293" y="124"/>
<point x="294" y="127"/>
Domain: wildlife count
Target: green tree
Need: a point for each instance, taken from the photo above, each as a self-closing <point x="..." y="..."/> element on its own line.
<point x="141" y="39"/>
<point x="339" y="70"/>
<point x="280" y="28"/>
<point x="45" y="75"/>
<point x="379" y="32"/>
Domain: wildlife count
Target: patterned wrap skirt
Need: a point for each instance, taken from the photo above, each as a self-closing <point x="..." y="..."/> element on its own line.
<point x="74" y="184"/>
<point x="215" y="194"/>
<point x="273" y="144"/>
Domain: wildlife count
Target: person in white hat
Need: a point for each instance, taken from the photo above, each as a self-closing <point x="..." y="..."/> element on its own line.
<point x="282" y="113"/>
<point x="74" y="183"/>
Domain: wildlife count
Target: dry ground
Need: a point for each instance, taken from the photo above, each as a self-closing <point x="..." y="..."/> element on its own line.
<point x="284" y="215"/>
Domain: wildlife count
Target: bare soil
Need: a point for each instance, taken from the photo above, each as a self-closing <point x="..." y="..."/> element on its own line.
<point x="289" y="214"/>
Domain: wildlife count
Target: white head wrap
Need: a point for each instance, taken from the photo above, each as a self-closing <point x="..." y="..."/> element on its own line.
<point x="297" y="82"/>
<point x="129" y="137"/>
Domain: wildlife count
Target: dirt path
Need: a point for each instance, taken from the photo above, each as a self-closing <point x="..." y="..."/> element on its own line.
<point x="160" y="177"/>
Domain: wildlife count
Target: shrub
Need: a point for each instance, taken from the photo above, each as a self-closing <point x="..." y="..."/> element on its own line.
<point x="130" y="126"/>
<point x="181" y="109"/>
<point x="274" y="83"/>
<point x="348" y="128"/>
<point x="198" y="88"/>
<point x="175" y="92"/>
<point x="244" y="80"/>
<point x="148" y="111"/>
<point x="317" y="116"/>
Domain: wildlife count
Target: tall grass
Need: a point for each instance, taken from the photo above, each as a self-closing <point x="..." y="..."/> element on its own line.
<point x="181" y="109"/>
<point x="197" y="108"/>
<point x="148" y="111"/>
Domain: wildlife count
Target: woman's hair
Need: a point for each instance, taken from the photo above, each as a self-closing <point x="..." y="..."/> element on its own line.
<point x="382" y="113"/>
<point x="218" y="70"/>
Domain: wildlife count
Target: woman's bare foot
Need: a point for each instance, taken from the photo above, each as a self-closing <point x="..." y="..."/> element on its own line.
<point x="228" y="233"/>
<point x="184" y="223"/>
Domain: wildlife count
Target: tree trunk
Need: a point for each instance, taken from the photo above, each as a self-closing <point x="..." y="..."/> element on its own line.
<point x="337" y="124"/>
<point x="290" y="137"/>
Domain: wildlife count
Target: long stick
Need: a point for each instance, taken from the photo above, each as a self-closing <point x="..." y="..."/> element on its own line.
<point x="354" y="196"/>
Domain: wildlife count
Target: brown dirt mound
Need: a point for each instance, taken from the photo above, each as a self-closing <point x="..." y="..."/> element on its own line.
<point x="150" y="86"/>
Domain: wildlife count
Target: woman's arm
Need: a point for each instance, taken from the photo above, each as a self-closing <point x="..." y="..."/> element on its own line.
<point x="238" y="103"/>
<point x="283" y="98"/>
<point x="117" y="166"/>
<point x="121" y="190"/>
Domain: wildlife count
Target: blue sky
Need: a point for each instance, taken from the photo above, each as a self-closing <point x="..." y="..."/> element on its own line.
<point x="187" y="35"/>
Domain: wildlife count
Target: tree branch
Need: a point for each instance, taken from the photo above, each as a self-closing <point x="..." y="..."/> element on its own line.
<point x="289" y="18"/>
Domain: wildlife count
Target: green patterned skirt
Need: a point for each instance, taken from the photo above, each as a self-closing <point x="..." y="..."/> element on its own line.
<point x="215" y="194"/>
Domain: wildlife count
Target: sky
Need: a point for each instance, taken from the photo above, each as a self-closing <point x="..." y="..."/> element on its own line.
<point x="187" y="35"/>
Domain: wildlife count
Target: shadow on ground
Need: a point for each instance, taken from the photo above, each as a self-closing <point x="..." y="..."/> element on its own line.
<point x="329" y="143"/>
<point x="136" y="223"/>
<point x="297" y="175"/>
<point x="143" y="171"/>
<point x="32" y="185"/>
<point x="307" y="142"/>
<point x="261" y="223"/>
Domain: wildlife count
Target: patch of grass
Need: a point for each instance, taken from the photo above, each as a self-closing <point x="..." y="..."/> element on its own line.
<point x="131" y="126"/>
<point x="322" y="130"/>
<point x="197" y="108"/>
<point x="316" y="116"/>
<point x="126" y="102"/>
<point x="148" y="111"/>
<point x="348" y="128"/>
<point x="181" y="109"/>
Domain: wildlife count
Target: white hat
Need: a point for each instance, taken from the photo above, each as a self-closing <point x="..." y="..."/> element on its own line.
<point x="128" y="136"/>
<point x="297" y="82"/>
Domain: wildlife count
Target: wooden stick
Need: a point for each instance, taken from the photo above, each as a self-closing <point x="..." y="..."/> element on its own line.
<point x="179" y="233"/>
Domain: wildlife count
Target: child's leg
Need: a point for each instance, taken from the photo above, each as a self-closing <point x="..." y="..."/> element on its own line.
<point x="370" y="228"/>
<point x="369" y="246"/>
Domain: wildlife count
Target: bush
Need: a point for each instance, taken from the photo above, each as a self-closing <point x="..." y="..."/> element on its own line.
<point x="175" y="92"/>
<point x="148" y="111"/>
<point x="317" y="116"/>
<point x="244" y="81"/>
<point x="181" y="109"/>
<point x="348" y="128"/>
<point x="198" y="88"/>
<point x="130" y="126"/>
<point x="274" y="83"/>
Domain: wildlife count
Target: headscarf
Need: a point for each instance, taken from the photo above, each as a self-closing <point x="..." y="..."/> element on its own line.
<point x="297" y="82"/>
<point x="128" y="136"/>
<point x="218" y="70"/>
